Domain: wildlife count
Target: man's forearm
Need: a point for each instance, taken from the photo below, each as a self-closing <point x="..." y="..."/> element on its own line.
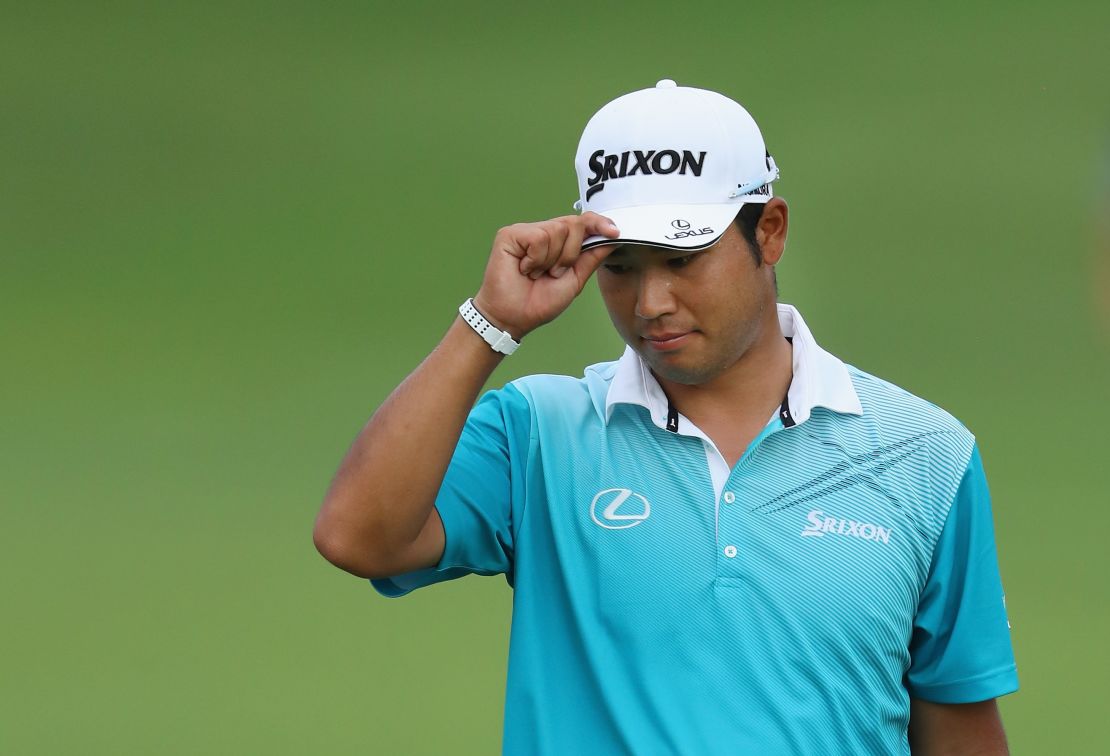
<point x="378" y="518"/>
<point x="971" y="729"/>
<point x="380" y="501"/>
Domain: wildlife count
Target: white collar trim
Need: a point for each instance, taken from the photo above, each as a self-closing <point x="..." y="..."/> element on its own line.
<point x="820" y="379"/>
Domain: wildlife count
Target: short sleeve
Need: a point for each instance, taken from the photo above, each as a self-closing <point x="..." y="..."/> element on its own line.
<point x="476" y="498"/>
<point x="960" y="651"/>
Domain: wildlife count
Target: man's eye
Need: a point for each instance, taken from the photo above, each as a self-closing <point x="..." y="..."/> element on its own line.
<point x="681" y="262"/>
<point x="614" y="268"/>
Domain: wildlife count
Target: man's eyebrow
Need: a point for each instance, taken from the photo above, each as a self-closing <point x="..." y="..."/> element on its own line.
<point x="624" y="250"/>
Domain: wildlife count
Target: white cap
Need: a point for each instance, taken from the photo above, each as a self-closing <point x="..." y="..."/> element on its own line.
<point x="671" y="166"/>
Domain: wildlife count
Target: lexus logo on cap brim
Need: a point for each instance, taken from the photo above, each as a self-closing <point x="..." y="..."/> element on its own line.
<point x="684" y="230"/>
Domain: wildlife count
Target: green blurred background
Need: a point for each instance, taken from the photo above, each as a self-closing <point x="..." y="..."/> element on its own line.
<point x="227" y="230"/>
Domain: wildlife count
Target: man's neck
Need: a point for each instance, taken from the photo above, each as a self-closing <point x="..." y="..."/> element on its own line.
<point x="747" y="392"/>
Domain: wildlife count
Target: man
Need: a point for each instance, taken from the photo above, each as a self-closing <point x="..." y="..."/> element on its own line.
<point x="728" y="541"/>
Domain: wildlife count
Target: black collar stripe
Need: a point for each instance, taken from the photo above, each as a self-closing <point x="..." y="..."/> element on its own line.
<point x="784" y="415"/>
<point x="672" y="418"/>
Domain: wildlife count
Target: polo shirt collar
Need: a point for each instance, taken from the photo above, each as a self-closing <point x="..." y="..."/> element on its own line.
<point x="820" y="379"/>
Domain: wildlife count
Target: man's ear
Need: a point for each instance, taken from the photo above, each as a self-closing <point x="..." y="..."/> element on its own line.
<point x="770" y="232"/>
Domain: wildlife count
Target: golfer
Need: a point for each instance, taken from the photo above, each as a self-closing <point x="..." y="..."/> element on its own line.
<point x="725" y="541"/>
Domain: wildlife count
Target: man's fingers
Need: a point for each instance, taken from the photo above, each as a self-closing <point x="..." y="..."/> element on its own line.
<point x="599" y="225"/>
<point x="554" y="247"/>
<point x="536" y="245"/>
<point x="559" y="253"/>
<point x="572" y="248"/>
<point x="578" y="228"/>
<point x="557" y="231"/>
<point x="589" y="261"/>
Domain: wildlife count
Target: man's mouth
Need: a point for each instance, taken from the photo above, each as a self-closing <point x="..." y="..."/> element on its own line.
<point x="667" y="340"/>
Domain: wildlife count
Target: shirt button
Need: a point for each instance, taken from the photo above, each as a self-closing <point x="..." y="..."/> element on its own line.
<point x="729" y="497"/>
<point x="730" y="551"/>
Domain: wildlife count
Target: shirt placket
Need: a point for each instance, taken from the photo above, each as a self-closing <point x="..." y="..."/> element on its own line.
<point x="731" y="519"/>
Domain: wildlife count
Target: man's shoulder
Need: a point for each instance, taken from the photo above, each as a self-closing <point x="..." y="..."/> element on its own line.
<point x="912" y="444"/>
<point x="596" y="375"/>
<point x="895" y="417"/>
<point x="887" y="402"/>
<point x="896" y="422"/>
<point x="545" y="392"/>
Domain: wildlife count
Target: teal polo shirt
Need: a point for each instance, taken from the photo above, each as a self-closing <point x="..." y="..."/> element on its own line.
<point x="667" y="603"/>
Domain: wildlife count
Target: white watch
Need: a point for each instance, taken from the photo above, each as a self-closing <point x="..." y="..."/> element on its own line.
<point x="498" y="340"/>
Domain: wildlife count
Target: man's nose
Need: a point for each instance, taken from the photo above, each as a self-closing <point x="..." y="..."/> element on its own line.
<point x="656" y="296"/>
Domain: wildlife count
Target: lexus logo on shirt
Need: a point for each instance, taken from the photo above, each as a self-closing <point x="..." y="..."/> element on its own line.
<point x="619" y="508"/>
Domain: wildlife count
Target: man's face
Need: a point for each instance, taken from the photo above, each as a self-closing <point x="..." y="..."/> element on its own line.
<point x="689" y="315"/>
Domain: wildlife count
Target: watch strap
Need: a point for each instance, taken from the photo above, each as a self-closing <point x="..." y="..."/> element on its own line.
<point x="498" y="340"/>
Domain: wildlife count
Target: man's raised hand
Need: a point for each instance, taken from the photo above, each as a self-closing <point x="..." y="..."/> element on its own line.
<point x="536" y="270"/>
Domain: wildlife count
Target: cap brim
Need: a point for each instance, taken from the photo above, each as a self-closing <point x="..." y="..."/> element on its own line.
<point x="690" y="227"/>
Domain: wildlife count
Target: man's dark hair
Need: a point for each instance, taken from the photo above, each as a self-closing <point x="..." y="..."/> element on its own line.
<point x="746" y="221"/>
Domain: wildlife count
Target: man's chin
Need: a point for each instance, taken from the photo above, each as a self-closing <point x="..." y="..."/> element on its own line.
<point x="677" y="369"/>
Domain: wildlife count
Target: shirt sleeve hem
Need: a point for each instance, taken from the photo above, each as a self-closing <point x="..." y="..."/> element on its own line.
<point x="388" y="588"/>
<point x="971" y="690"/>
<point x="402" y="585"/>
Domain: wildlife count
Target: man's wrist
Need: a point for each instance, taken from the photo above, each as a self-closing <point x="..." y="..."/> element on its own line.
<point x="498" y="339"/>
<point x="490" y="314"/>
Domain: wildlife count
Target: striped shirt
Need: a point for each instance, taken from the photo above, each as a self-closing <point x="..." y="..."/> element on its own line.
<point x="665" y="602"/>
